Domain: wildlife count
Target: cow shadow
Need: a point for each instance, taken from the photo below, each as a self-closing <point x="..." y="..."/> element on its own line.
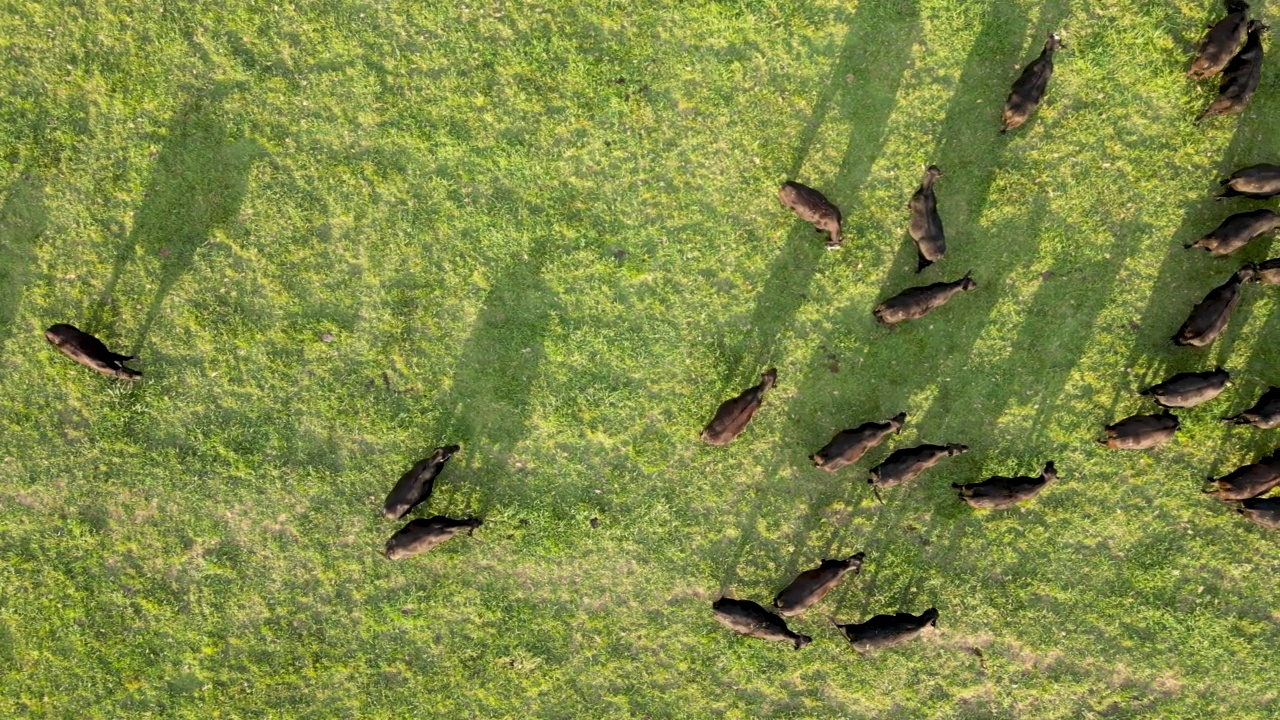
<point x="870" y="104"/>
<point x="23" y="219"/>
<point x="198" y="183"/>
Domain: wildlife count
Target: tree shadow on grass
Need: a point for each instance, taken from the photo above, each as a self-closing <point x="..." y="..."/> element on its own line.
<point x="22" y="221"/>
<point x="198" y="183"/>
<point x="971" y="162"/>
<point x="869" y="104"/>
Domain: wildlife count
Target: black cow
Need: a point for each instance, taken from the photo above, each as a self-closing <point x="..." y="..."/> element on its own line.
<point x="90" y="352"/>
<point x="1028" y="89"/>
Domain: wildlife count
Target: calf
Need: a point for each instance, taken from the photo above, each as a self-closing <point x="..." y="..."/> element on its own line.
<point x="1028" y="89"/>
<point x="732" y="416"/>
<point x="1247" y="481"/>
<point x="1221" y="42"/>
<point x="1236" y="231"/>
<point x="748" y="618"/>
<point x="415" y="486"/>
<point x="1256" y="182"/>
<point x="90" y="352"/>
<point x="1140" y="432"/>
<point x="1240" y="77"/>
<point x="914" y="303"/>
<point x="813" y="207"/>
<point x="848" y="446"/>
<point x="811" y="585"/>
<point x="1210" y="317"/>
<point x="1263" y="511"/>
<point x="883" y="631"/>
<point x="422" y="535"/>
<point x="1264" y="415"/>
<point x="926" y="224"/>
<point x="906" y="464"/>
<point x="1268" y="272"/>
<point x="1189" y="389"/>
<point x="998" y="492"/>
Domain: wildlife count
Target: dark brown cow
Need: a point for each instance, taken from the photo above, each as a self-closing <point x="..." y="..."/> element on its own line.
<point x="422" y="535"/>
<point x="1210" y="316"/>
<point x="1264" y="415"/>
<point x="1263" y="511"/>
<point x="732" y="416"/>
<point x="811" y="586"/>
<point x="1268" y="272"/>
<point x="1221" y="42"/>
<point x="999" y="492"/>
<point x="848" y="446"/>
<point x="415" y="486"/>
<point x="1237" y="230"/>
<point x="748" y="618"/>
<point x="1248" y="481"/>
<point x="1140" y="432"/>
<point x="905" y="464"/>
<point x="1256" y="182"/>
<point x="1028" y="89"/>
<point x="1189" y="389"/>
<point x="1240" y="77"/>
<point x="914" y="303"/>
<point x="883" y="631"/>
<point x="813" y="207"/>
<point x="90" y="352"/>
<point x="926" y="224"/>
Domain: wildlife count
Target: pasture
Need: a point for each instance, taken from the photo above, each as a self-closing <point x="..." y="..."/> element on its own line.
<point x="340" y="234"/>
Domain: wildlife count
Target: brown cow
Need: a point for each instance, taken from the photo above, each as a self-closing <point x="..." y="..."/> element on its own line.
<point x="1189" y="389"/>
<point x="926" y="224"/>
<point x="1140" y="432"/>
<point x="1028" y="89"/>
<point x="1264" y="415"/>
<point x="848" y="446"/>
<point x="811" y="586"/>
<point x="999" y="492"/>
<point x="732" y="416"/>
<point x="883" y="631"/>
<point x="813" y="207"/>
<point x="1221" y="42"/>
<point x="415" y="486"/>
<point x="422" y="535"/>
<point x="1210" y="316"/>
<point x="914" y="303"/>
<point x="748" y="618"/>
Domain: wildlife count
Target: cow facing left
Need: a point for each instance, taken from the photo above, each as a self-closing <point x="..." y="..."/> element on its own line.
<point x="90" y="352"/>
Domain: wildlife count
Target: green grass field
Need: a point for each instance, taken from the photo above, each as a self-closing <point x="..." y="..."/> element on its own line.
<point x="548" y="231"/>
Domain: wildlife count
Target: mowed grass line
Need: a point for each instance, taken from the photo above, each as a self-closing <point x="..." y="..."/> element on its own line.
<point x="548" y="232"/>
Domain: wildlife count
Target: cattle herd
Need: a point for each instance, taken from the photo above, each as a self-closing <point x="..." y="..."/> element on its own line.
<point x="1231" y="47"/>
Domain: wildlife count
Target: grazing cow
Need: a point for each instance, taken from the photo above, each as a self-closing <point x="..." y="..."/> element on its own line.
<point x="1210" y="316"/>
<point x="914" y="303"/>
<point x="415" y="486"/>
<point x="813" y="207"/>
<point x="811" y="585"/>
<point x="1256" y="182"/>
<point x="1140" y="432"/>
<point x="1264" y="415"/>
<point x="883" y="631"/>
<point x="90" y="352"/>
<point x="998" y="492"/>
<point x="422" y="535"/>
<point x="1028" y="89"/>
<point x="1236" y="231"/>
<point x="905" y="464"/>
<point x="848" y="446"/>
<point x="748" y="618"/>
<point x="1263" y="511"/>
<point x="1189" y="389"/>
<point x="1221" y="42"/>
<point x="732" y="416"/>
<point x="1248" y="481"/>
<point x="1240" y="77"/>
<point x="926" y="224"/>
<point x="1268" y="272"/>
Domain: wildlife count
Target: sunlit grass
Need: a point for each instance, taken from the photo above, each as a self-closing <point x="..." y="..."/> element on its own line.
<point x="340" y="234"/>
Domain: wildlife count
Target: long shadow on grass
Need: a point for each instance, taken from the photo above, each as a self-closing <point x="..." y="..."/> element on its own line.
<point x="868" y="104"/>
<point x="197" y="184"/>
<point x="970" y="152"/>
<point x="489" y="402"/>
<point x="22" y="221"/>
